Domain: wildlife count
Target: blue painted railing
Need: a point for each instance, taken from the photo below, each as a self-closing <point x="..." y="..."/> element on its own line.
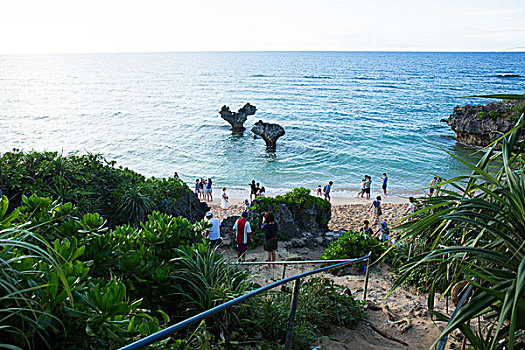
<point x="167" y="332"/>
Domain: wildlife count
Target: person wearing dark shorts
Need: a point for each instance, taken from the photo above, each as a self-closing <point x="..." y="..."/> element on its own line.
<point x="385" y="181"/>
<point x="270" y="228"/>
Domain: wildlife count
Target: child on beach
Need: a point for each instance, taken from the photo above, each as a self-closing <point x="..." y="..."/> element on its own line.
<point x="366" y="229"/>
<point x="362" y="192"/>
<point x="377" y="209"/>
<point x="383" y="232"/>
<point x="319" y="192"/>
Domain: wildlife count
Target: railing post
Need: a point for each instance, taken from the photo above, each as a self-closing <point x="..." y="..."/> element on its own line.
<point x="284" y="271"/>
<point x="291" y="320"/>
<point x="367" y="271"/>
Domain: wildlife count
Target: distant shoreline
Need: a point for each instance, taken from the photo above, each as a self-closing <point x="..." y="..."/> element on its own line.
<point x="236" y="199"/>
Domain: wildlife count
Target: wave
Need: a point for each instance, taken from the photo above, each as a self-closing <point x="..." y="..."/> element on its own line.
<point x="508" y="76"/>
<point x="317" y="77"/>
<point x="260" y="76"/>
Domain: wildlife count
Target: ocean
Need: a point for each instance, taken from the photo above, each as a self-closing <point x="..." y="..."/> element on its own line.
<point x="346" y="114"/>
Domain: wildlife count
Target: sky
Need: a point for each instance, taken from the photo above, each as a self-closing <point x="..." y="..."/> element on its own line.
<point x="84" y="26"/>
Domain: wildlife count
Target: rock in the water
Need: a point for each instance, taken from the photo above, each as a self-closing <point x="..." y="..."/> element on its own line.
<point x="481" y="125"/>
<point x="237" y="119"/>
<point x="269" y="133"/>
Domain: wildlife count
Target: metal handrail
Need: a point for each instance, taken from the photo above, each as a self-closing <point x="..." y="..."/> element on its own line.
<point x="165" y="333"/>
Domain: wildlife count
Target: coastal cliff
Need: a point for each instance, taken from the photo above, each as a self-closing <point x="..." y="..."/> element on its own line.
<point x="480" y="125"/>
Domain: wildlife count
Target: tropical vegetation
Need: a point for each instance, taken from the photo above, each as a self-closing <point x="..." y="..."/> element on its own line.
<point x="94" y="185"/>
<point x="67" y="280"/>
<point x="475" y="229"/>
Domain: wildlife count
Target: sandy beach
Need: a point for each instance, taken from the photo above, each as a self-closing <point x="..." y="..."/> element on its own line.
<point x="401" y="315"/>
<point x="347" y="213"/>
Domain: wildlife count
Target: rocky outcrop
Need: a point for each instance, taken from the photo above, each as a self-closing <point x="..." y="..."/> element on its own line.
<point x="269" y="133"/>
<point x="296" y="220"/>
<point x="237" y="119"/>
<point x="480" y="125"/>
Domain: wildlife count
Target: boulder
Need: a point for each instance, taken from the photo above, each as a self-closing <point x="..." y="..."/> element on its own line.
<point x="269" y="133"/>
<point x="227" y="226"/>
<point x="481" y="125"/>
<point x="190" y="207"/>
<point x="237" y="119"/>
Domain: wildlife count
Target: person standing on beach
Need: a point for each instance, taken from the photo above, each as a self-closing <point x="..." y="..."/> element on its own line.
<point x="214" y="232"/>
<point x="432" y="185"/>
<point x="197" y="187"/>
<point x="362" y="192"/>
<point x="368" y="184"/>
<point x="224" y="199"/>
<point x="209" y="195"/>
<point x="319" y="191"/>
<point x="201" y="190"/>
<point x="176" y="175"/>
<point x="384" y="178"/>
<point x="327" y="190"/>
<point x="253" y="190"/>
<point x="243" y="233"/>
<point x="377" y="209"/>
<point x="270" y="228"/>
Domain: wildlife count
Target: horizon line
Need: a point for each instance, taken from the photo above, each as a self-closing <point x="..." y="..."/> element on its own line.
<point x="522" y="50"/>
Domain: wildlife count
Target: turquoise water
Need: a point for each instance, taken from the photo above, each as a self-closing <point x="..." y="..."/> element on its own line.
<point x="346" y="114"/>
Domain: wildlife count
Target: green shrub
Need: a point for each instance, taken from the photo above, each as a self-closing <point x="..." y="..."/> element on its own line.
<point x="92" y="183"/>
<point x="482" y="116"/>
<point x="494" y="115"/>
<point x="297" y="200"/>
<point x="322" y="304"/>
<point x="354" y="245"/>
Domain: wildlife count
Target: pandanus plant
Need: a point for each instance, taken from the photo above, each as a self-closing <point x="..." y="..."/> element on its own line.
<point x="475" y="229"/>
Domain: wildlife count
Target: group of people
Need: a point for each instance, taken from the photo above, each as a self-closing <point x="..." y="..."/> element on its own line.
<point x="256" y="190"/>
<point x="203" y="189"/>
<point x="325" y="191"/>
<point x="366" y="185"/>
<point x="243" y="234"/>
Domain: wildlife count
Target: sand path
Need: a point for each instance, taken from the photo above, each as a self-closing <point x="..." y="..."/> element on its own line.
<point x="404" y="302"/>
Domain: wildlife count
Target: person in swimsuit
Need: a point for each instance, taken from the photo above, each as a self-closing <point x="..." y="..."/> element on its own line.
<point x="319" y="191"/>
